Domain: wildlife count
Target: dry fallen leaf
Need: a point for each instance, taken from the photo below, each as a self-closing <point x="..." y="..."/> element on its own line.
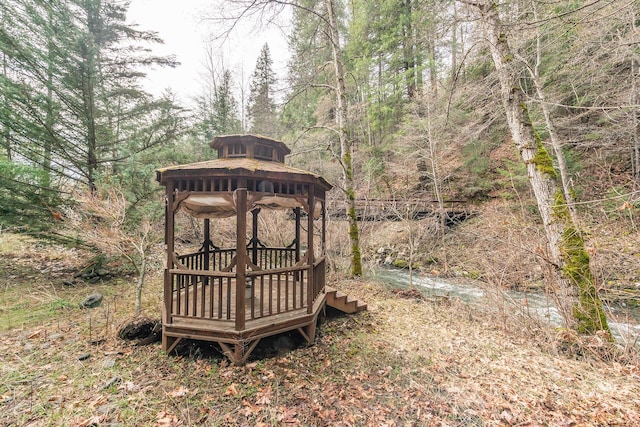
<point x="35" y="334"/>
<point x="179" y="392"/>
<point x="263" y="397"/>
<point x="91" y="421"/>
<point x="232" y="390"/>
<point x="98" y="400"/>
<point x="287" y="415"/>
<point x="128" y="386"/>
<point x="165" y="419"/>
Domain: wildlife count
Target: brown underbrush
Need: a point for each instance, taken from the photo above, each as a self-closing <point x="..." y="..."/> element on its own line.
<point x="404" y="362"/>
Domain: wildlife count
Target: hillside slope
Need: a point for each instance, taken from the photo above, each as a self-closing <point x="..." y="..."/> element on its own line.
<point x="403" y="362"/>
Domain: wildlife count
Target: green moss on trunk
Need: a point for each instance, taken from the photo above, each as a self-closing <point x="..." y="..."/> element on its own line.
<point x="542" y="159"/>
<point x="356" y="257"/>
<point x="588" y="312"/>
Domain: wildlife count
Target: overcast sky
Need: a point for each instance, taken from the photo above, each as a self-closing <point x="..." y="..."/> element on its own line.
<point x="180" y="25"/>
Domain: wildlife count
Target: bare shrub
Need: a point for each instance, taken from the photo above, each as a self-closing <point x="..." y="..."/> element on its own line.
<point x="103" y="221"/>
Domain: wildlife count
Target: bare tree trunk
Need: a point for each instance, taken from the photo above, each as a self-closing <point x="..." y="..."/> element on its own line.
<point x="433" y="69"/>
<point x="6" y="132"/>
<point x="557" y="149"/>
<point x="140" y="284"/>
<point x="575" y="289"/>
<point x="346" y="146"/>
<point x="435" y="177"/>
<point x="454" y="44"/>
<point x="635" y="119"/>
<point x="534" y="71"/>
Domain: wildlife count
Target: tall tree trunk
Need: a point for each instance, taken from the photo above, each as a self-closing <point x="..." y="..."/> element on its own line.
<point x="634" y="114"/>
<point x="346" y="145"/>
<point x="140" y="284"/>
<point x="6" y="132"/>
<point x="49" y="114"/>
<point x="409" y="49"/>
<point x="454" y="44"/>
<point x="433" y="69"/>
<point x="435" y="177"/>
<point x="534" y="71"/>
<point x="575" y="290"/>
<point x="567" y="188"/>
<point x="89" y="94"/>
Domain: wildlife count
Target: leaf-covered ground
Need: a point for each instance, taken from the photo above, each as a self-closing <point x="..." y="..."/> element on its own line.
<point x="404" y="362"/>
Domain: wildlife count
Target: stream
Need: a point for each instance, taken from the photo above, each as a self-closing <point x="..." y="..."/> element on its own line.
<point x="623" y="321"/>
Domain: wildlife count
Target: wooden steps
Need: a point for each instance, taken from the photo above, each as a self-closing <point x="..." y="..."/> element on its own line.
<point x="343" y="302"/>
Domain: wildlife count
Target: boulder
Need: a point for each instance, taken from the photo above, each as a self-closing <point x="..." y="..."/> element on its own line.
<point x="92" y="301"/>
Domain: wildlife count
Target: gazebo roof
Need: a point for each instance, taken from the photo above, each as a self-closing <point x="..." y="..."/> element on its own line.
<point x="241" y="167"/>
<point x="244" y="156"/>
<point x="246" y="161"/>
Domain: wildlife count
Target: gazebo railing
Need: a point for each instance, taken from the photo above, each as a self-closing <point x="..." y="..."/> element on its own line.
<point x="276" y="291"/>
<point x="273" y="289"/>
<point x="319" y="269"/>
<point x="220" y="259"/>
<point x="268" y="258"/>
<point x="201" y="294"/>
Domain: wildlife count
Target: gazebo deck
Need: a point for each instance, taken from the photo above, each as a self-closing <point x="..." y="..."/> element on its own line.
<point x="206" y="301"/>
<point x="224" y="331"/>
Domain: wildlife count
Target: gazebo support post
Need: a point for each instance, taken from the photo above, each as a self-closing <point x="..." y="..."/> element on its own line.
<point x="239" y="352"/>
<point x="206" y="245"/>
<point x="241" y="255"/>
<point x="297" y="242"/>
<point x="310" y="255"/>
<point x="254" y="236"/>
<point x="324" y="229"/>
<point x="167" y="342"/>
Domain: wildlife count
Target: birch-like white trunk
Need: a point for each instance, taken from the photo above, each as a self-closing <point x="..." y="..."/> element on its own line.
<point x="346" y="147"/>
<point x="576" y="297"/>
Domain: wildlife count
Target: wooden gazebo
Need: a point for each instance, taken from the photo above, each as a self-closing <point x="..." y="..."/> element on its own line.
<point x="237" y="295"/>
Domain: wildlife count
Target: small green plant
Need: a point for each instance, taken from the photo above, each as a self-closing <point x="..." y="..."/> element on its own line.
<point x="59" y="304"/>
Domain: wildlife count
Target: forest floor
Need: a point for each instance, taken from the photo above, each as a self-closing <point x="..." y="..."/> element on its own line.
<point x="404" y="362"/>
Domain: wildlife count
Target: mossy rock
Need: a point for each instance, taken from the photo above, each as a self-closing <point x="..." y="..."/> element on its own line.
<point x="400" y="263"/>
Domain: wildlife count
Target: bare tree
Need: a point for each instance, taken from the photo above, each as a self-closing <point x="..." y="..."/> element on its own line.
<point x="575" y="290"/>
<point x="266" y="11"/>
<point x="101" y="220"/>
<point x="534" y="72"/>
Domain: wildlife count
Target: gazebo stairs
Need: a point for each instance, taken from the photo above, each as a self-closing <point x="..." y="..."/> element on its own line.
<point x="343" y="302"/>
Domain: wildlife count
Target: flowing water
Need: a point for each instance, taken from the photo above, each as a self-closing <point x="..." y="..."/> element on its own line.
<point x="624" y="322"/>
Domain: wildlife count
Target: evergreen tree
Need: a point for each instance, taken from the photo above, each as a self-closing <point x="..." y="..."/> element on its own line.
<point x="217" y="108"/>
<point x="72" y="106"/>
<point x="387" y="48"/>
<point x="262" y="108"/>
<point x="308" y="76"/>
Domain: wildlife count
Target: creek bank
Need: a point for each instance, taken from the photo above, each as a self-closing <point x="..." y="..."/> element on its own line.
<point x="624" y="320"/>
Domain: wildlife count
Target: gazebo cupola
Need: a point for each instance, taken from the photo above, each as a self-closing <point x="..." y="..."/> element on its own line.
<point x="236" y="294"/>
<point x="251" y="147"/>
